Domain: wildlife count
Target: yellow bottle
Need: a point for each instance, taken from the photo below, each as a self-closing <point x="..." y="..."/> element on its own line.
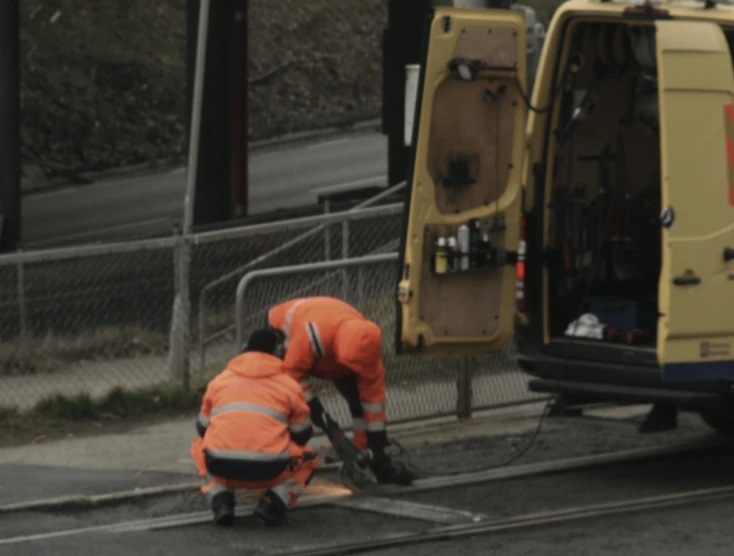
<point x="442" y="259"/>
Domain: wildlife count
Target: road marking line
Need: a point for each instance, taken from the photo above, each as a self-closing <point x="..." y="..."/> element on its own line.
<point x="328" y="143"/>
<point x="408" y="509"/>
<point x="372" y="180"/>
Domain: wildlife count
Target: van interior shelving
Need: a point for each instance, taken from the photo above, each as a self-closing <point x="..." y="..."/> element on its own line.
<point x="604" y="202"/>
<point x="604" y="217"/>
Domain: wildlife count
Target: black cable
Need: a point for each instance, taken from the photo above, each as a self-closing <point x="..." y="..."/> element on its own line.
<point x="422" y="471"/>
<point x="573" y="68"/>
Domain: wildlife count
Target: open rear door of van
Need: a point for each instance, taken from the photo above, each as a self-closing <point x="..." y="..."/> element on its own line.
<point x="696" y="298"/>
<point x="467" y="160"/>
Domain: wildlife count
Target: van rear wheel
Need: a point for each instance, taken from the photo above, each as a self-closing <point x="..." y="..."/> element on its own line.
<point x="721" y="421"/>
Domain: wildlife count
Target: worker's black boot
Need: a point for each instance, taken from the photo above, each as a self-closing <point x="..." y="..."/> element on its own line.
<point x="389" y="471"/>
<point x="223" y="508"/>
<point x="271" y="509"/>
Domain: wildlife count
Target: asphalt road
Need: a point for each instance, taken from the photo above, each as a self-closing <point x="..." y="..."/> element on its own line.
<point x="147" y="205"/>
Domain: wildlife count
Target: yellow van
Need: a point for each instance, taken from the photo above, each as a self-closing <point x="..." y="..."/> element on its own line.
<point x="593" y="223"/>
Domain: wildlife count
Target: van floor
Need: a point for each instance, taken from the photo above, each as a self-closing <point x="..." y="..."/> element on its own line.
<point x="643" y="347"/>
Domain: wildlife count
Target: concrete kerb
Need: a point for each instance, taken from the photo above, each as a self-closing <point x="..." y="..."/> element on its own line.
<point x="427" y="430"/>
<point x="164" y="164"/>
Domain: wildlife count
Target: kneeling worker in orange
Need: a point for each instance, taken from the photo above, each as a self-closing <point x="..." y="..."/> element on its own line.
<point x="253" y="429"/>
<point x="328" y="338"/>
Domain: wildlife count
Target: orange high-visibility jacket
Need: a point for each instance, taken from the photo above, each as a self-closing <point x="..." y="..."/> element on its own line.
<point x="249" y="415"/>
<point x="328" y="338"/>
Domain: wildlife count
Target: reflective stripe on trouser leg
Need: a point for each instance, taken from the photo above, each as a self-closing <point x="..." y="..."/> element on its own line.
<point x="375" y="420"/>
<point x="293" y="487"/>
<point x="211" y="487"/>
<point x="288" y="491"/>
<point x="359" y="428"/>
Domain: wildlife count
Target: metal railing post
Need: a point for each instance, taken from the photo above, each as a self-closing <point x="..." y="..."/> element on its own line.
<point x="327" y="233"/>
<point x="464" y="389"/>
<point x="179" y="354"/>
<point x="21" y="297"/>
<point x="345" y="255"/>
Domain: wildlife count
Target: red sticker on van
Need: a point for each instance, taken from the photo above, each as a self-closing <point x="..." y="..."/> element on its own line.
<point x="729" y="119"/>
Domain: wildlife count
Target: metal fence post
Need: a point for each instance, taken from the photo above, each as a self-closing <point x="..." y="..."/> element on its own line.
<point x="327" y="233"/>
<point x="21" y="297"/>
<point x="345" y="255"/>
<point x="464" y="389"/>
<point x="179" y="354"/>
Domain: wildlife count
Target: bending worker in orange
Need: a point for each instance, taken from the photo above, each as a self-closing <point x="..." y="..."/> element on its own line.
<point x="253" y="428"/>
<point x="328" y="338"/>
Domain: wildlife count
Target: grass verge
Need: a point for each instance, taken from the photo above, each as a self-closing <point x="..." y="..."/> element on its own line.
<point x="59" y="415"/>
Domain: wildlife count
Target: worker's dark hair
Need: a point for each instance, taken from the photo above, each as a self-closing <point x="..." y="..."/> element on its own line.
<point x="264" y="340"/>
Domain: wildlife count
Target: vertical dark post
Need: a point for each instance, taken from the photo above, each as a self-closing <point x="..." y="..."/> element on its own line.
<point x="213" y="187"/>
<point x="10" y="165"/>
<point x="402" y="43"/>
<point x="192" y="22"/>
<point x="239" y="108"/>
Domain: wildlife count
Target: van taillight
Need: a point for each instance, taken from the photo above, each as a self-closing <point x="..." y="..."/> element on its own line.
<point x="520" y="283"/>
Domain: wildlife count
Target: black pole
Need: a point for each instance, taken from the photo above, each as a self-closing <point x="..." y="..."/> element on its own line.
<point x="213" y="199"/>
<point x="239" y="126"/>
<point x="10" y="164"/>
<point x="402" y="42"/>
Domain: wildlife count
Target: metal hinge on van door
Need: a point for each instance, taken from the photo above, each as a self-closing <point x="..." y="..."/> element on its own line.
<point x="688" y="278"/>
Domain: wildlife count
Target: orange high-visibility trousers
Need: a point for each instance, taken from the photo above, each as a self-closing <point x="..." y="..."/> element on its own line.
<point x="288" y="486"/>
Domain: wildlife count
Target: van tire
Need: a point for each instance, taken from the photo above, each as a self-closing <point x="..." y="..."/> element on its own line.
<point x="721" y="422"/>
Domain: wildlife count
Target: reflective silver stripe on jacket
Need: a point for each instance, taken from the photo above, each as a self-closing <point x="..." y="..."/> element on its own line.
<point x="288" y="319"/>
<point x="373" y="407"/>
<point x="247" y="455"/>
<point x="295" y="428"/>
<point x="202" y="420"/>
<point x="378" y="426"/>
<point x="315" y="338"/>
<point x="254" y="408"/>
<point x="306" y="389"/>
<point x="359" y="424"/>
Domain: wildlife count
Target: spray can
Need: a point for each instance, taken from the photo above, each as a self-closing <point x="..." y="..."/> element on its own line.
<point x="441" y="257"/>
<point x="453" y="254"/>
<point x="464" y="246"/>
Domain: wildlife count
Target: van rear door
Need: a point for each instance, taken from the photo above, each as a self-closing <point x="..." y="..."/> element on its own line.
<point x="696" y="297"/>
<point x="467" y="160"/>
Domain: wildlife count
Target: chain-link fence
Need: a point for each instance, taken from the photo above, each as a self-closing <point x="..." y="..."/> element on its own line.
<point x="91" y="319"/>
<point x="418" y="386"/>
<point x="84" y="320"/>
<point x="370" y="227"/>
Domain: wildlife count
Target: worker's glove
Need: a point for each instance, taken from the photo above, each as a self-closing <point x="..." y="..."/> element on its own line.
<point x="388" y="470"/>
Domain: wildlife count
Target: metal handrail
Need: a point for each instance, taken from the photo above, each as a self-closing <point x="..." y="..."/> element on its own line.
<point x="357" y="212"/>
<point x="296" y="269"/>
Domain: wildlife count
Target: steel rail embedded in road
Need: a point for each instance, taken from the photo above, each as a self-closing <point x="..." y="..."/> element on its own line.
<point x="538" y="519"/>
<point x="421" y="485"/>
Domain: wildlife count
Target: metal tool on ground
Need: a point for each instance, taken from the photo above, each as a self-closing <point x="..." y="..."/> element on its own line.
<point x="355" y="470"/>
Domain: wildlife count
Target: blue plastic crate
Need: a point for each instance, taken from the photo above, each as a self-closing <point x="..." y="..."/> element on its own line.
<point x="626" y="314"/>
